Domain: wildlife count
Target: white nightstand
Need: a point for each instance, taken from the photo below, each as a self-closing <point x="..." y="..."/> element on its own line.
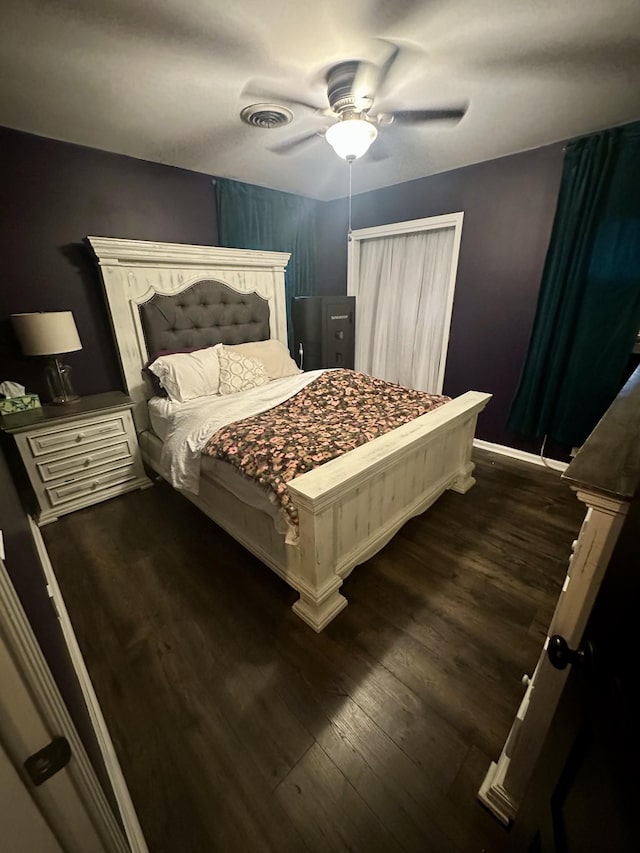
<point x="77" y="454"/>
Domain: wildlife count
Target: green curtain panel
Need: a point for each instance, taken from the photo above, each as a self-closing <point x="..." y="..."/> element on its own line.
<point x="588" y="312"/>
<point x="251" y="217"/>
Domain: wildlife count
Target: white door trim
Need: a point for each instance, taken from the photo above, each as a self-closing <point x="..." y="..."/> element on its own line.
<point x="128" y="814"/>
<point x="32" y="712"/>
<point x="431" y="223"/>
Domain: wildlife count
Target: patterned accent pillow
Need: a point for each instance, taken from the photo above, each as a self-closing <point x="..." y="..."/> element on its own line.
<point x="274" y="355"/>
<point x="239" y="372"/>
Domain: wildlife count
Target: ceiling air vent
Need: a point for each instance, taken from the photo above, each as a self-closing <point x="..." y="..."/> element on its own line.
<point x="266" y="116"/>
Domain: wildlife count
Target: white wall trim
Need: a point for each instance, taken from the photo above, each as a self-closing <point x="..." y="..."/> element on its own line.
<point x="411" y="226"/>
<point x="128" y="814"/>
<point x="446" y="220"/>
<point x="521" y="455"/>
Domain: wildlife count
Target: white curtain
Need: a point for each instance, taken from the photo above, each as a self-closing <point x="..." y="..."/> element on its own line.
<point x="401" y="306"/>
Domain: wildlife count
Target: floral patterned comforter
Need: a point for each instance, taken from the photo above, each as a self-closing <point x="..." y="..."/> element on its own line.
<point x="337" y="412"/>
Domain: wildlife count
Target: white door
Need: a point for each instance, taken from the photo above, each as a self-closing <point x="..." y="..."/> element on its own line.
<point x="67" y="811"/>
<point x="23" y="829"/>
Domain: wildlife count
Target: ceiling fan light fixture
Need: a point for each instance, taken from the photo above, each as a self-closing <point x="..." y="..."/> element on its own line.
<point x="351" y="137"/>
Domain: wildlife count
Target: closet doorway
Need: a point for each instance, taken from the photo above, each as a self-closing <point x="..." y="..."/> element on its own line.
<point x="403" y="276"/>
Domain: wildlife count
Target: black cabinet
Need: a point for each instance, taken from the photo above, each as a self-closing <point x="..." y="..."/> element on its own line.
<point x="324" y="331"/>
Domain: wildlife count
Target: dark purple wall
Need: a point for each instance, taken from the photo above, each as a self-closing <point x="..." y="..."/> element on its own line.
<point x="56" y="194"/>
<point x="508" y="207"/>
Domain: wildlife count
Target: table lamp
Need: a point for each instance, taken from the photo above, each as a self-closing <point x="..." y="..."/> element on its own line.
<point x="50" y="333"/>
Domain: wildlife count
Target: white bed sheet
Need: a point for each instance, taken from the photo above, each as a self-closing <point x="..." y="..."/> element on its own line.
<point x="221" y="472"/>
<point x="160" y="409"/>
<point x="187" y="427"/>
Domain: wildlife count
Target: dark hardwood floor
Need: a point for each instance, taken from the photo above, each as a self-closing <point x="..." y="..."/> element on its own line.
<point x="240" y="729"/>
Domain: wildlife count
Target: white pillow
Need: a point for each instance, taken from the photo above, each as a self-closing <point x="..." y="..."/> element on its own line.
<point x="239" y="372"/>
<point x="273" y="354"/>
<point x="187" y="375"/>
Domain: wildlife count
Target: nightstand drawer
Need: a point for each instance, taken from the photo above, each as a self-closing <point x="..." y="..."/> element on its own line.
<point x="53" y="440"/>
<point x="81" y="463"/>
<point x="61" y="493"/>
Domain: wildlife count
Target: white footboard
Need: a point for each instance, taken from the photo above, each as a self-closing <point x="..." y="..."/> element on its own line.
<point x="350" y="507"/>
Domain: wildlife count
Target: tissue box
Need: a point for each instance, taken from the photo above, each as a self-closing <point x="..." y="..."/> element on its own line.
<point x="11" y="405"/>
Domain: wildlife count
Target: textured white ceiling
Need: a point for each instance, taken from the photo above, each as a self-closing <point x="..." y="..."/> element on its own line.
<point x="163" y="80"/>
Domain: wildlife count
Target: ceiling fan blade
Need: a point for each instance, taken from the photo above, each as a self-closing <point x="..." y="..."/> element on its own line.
<point x="292" y="146"/>
<point x="365" y="84"/>
<point x="378" y="151"/>
<point x="453" y="114"/>
<point x="369" y="78"/>
<point x="387" y="65"/>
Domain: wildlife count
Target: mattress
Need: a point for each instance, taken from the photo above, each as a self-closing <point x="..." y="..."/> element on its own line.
<point x="188" y="426"/>
<point x="220" y="472"/>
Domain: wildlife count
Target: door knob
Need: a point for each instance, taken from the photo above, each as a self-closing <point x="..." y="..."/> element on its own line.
<point x="560" y="655"/>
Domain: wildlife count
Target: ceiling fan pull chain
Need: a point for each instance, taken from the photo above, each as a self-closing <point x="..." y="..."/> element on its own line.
<point x="350" y="162"/>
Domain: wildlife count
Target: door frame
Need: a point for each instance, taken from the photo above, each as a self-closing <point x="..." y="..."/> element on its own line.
<point x="411" y="226"/>
<point x="32" y="712"/>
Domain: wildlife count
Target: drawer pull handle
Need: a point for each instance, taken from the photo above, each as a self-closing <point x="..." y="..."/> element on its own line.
<point x="70" y="490"/>
<point x="61" y="466"/>
<point x="82" y="435"/>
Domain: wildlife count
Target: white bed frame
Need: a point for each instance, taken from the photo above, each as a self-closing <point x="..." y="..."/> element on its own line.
<point x="348" y="508"/>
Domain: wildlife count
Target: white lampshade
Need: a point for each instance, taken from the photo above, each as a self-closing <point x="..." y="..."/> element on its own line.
<point x="47" y="332"/>
<point x="351" y="138"/>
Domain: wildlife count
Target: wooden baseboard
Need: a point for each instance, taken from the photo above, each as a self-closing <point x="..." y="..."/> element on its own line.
<point x="521" y="455"/>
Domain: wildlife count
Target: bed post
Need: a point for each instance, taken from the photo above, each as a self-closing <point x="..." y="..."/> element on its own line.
<point x="316" y="579"/>
<point x="319" y="611"/>
<point x="465" y="479"/>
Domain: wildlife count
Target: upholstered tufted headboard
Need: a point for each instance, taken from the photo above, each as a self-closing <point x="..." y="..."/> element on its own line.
<point x="205" y="314"/>
<point x="165" y="294"/>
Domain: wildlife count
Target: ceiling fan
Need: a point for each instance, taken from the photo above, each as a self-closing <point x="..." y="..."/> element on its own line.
<point x="352" y="90"/>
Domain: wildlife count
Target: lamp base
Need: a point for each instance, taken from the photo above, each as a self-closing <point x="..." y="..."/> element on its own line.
<point x="58" y="378"/>
<point x="60" y="401"/>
